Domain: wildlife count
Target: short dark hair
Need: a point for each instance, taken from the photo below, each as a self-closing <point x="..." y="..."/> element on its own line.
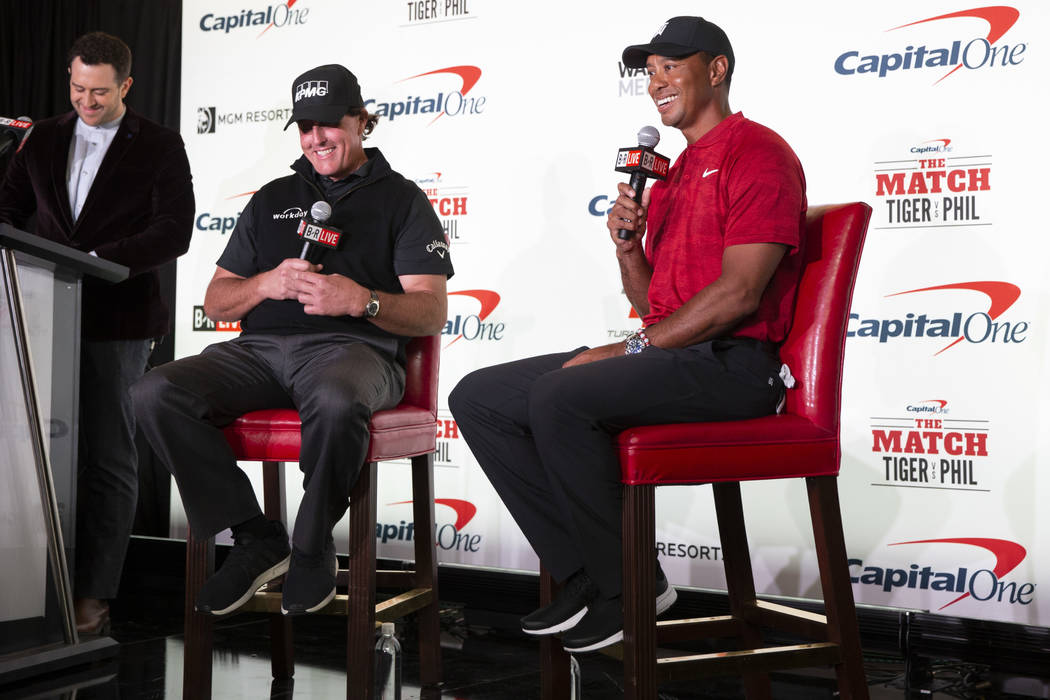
<point x="98" y="47"/>
<point x="370" y="119"/>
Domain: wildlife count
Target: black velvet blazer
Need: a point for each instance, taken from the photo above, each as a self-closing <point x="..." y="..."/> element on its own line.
<point x="139" y="213"/>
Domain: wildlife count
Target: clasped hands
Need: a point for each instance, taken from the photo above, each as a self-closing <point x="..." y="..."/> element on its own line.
<point x="320" y="295"/>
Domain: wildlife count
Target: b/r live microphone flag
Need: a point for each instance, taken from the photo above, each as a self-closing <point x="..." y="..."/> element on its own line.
<point x="641" y="162"/>
<point x="314" y="234"/>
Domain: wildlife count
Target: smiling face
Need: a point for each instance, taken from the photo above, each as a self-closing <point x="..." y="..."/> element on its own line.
<point x="95" y="93"/>
<point x="689" y="92"/>
<point x="334" y="150"/>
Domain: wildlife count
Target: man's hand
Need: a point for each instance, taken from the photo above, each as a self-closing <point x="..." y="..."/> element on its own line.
<point x="602" y="352"/>
<point x="629" y="215"/>
<point x="331" y="295"/>
<point x="286" y="280"/>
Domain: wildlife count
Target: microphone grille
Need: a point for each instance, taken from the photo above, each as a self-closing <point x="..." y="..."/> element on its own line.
<point x="648" y="136"/>
<point x="320" y="211"/>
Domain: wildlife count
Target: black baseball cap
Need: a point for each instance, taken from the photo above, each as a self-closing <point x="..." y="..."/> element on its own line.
<point x="324" y="94"/>
<point x="681" y="36"/>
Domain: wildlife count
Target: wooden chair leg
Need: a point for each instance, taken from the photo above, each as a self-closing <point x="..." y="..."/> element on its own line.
<point x="361" y="593"/>
<point x="740" y="580"/>
<point x="835" y="583"/>
<point x="197" y="637"/>
<point x="426" y="568"/>
<point x="639" y="592"/>
<point x="282" y="655"/>
<point x="554" y="660"/>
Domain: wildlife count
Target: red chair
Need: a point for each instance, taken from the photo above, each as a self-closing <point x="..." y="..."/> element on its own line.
<point x="802" y="442"/>
<point x="272" y="437"/>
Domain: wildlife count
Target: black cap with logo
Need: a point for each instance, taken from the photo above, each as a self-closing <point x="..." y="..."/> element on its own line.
<point x="324" y="94"/>
<point x="681" y="36"/>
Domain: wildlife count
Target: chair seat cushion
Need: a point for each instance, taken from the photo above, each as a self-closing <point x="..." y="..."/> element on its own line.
<point x="771" y="447"/>
<point x="273" y="434"/>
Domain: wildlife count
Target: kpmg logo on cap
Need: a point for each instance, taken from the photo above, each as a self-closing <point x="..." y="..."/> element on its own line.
<point x="980" y="52"/>
<point x="311" y="88"/>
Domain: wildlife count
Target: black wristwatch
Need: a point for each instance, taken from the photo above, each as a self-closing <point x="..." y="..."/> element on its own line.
<point x="372" y="307"/>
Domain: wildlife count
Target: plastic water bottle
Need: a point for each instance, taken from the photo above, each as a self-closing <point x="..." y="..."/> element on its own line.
<point x="575" y="692"/>
<point x="388" y="665"/>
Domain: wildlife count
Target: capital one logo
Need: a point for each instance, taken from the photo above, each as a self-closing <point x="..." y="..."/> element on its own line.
<point x="983" y="585"/>
<point x="975" y="327"/>
<point x="473" y="326"/>
<point x="455" y="102"/>
<point x="971" y="52"/>
<point x="449" y="536"/>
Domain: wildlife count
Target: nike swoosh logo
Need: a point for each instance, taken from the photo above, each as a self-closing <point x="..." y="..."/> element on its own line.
<point x="710" y="172"/>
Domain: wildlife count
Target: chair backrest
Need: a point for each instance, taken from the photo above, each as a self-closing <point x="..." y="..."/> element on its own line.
<point x="422" y="360"/>
<point x="815" y="345"/>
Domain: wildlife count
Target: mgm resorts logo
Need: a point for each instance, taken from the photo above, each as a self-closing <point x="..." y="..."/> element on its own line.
<point x="208" y="118"/>
<point x="205" y="120"/>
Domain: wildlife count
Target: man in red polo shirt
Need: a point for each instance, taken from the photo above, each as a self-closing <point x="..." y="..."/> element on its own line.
<point x="712" y="267"/>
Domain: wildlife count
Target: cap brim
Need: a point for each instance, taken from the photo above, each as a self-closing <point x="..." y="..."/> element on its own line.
<point x="328" y="114"/>
<point x="635" y="56"/>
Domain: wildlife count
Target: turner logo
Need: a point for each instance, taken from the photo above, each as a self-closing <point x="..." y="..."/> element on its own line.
<point x="973" y="327"/>
<point x="983" y="585"/>
<point x="448" y="536"/>
<point x="983" y="51"/>
<point x="474" y="326"/>
<point x="453" y="83"/>
<point x="278" y="15"/>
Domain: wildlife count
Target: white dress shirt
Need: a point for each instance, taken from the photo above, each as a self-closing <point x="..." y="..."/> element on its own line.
<point x="86" y="151"/>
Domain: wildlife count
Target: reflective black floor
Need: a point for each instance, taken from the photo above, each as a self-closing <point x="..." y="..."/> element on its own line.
<point x="480" y="662"/>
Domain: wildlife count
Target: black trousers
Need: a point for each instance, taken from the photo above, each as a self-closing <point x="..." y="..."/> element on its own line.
<point x="335" y="382"/>
<point x="543" y="435"/>
<point x="107" y="463"/>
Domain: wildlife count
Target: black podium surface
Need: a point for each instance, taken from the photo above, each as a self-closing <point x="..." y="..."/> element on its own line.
<point x="39" y="381"/>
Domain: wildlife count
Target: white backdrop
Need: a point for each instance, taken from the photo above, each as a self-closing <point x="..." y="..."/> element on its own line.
<point x="509" y="114"/>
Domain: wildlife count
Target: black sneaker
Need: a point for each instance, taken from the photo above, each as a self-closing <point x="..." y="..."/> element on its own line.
<point x="252" y="562"/>
<point x="567" y="608"/>
<point x="603" y="623"/>
<point x="310" y="582"/>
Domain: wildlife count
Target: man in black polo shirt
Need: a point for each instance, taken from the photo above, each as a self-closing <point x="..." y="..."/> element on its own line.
<point x="326" y="338"/>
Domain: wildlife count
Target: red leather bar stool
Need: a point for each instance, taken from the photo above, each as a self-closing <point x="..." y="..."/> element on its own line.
<point x="800" y="443"/>
<point x="272" y="437"/>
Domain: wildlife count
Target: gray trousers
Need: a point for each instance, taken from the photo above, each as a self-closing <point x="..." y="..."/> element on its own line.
<point x="335" y="382"/>
<point x="107" y="463"/>
<point x="543" y="435"/>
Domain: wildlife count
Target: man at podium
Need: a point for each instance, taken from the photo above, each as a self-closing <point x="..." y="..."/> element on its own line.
<point x="105" y="180"/>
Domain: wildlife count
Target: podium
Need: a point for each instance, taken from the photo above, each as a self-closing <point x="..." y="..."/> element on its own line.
<point x="40" y="290"/>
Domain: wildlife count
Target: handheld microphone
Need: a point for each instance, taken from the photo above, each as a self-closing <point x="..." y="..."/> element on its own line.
<point x="13" y="132"/>
<point x="641" y="162"/>
<point x="316" y="236"/>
